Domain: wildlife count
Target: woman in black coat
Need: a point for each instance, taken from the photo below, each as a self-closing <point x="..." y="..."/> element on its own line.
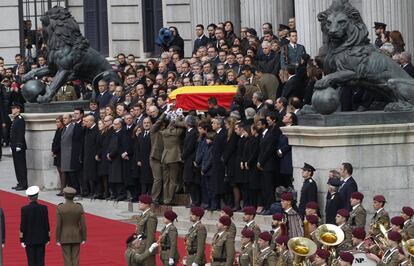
<point x="56" y="152"/>
<point x="103" y="164"/>
<point x="229" y="157"/>
<point x="142" y="150"/>
<point x="250" y="156"/>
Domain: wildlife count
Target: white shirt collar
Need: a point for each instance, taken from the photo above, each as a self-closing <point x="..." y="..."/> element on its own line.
<point x="93" y="126"/>
<point x="293" y="45"/>
<point x="288" y="209"/>
<point x="218" y="130"/>
<point x="168" y="225"/>
<point x="380" y="210"/>
<point x="220" y="233"/>
<point x="144" y="212"/>
<point x="249" y="223"/>
<point x="266" y="248"/>
<point x="194" y="224"/>
<point x="406" y="222"/>
<point x="265" y="131"/>
<point x="356" y="206"/>
<point x="359" y="245"/>
<point x="346" y="179"/>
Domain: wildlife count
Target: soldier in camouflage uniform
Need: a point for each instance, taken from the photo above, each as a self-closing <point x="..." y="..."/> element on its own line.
<point x="168" y="240"/>
<point x="222" y="247"/>
<point x="195" y="240"/>
<point x="266" y="256"/>
<point x="136" y="254"/>
<point x="246" y="252"/>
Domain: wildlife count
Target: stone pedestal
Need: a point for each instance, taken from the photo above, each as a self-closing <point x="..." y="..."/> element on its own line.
<point x="382" y="156"/>
<point x="40" y="129"/>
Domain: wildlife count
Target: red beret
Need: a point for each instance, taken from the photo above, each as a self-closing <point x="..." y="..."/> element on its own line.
<point x="357" y="195"/>
<point x="277" y="217"/>
<point x="225" y="220"/>
<point x="288" y="196"/>
<point x="323" y="253"/>
<point x="282" y="240"/>
<point x="379" y="198"/>
<point x="227" y="210"/>
<point x="408" y="211"/>
<point x="146" y="199"/>
<point x="248" y="233"/>
<point x="266" y="236"/>
<point x="347" y="257"/>
<point x="312" y="205"/>
<point x="397" y="220"/>
<point x="359" y="232"/>
<point x="394" y="236"/>
<point x="249" y="210"/>
<point x="170" y="215"/>
<point x="197" y="211"/>
<point x="313" y="219"/>
<point x="343" y="213"/>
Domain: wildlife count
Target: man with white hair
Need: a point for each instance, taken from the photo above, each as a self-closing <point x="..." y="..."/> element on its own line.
<point x="115" y="162"/>
<point x="405" y="62"/>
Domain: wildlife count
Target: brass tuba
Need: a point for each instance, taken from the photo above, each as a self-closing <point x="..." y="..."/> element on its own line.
<point x="302" y="248"/>
<point x="408" y="247"/>
<point x="330" y="236"/>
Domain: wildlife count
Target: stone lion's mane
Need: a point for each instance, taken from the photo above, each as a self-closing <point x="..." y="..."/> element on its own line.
<point x="62" y="31"/>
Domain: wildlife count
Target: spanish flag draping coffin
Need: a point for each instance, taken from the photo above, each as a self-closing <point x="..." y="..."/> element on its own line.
<point x="195" y="97"/>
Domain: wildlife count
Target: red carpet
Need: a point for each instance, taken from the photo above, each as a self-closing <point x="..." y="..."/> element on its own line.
<point x="105" y="243"/>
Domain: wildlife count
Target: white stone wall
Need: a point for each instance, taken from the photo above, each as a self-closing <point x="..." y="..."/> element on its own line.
<point x="9" y="30"/>
<point x="76" y="8"/>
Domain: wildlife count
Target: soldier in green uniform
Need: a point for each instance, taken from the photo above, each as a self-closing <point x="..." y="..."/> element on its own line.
<point x="277" y="219"/>
<point x="222" y="247"/>
<point x="136" y="253"/>
<point x="146" y="226"/>
<point x="168" y="240"/>
<point x="284" y="258"/>
<point x="345" y="259"/>
<point x="248" y="218"/>
<point x="358" y="237"/>
<point x="195" y="240"/>
<point x="70" y="227"/>
<point x="227" y="211"/>
<point x="312" y="225"/>
<point x="66" y="93"/>
<point x="358" y="215"/>
<point x="380" y="216"/>
<point x="246" y="252"/>
<point x="391" y="256"/>
<point x="321" y="257"/>
<point x="266" y="256"/>
<point x="341" y="219"/>
<point x="408" y="229"/>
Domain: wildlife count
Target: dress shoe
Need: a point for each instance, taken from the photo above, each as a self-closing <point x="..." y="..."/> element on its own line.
<point x="120" y="198"/>
<point x="100" y="197"/>
<point x="21" y="188"/>
<point x="16" y="186"/>
<point x="60" y="194"/>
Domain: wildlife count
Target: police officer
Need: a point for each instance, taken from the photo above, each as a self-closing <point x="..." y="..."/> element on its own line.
<point x="266" y="256"/>
<point x="246" y="252"/>
<point x="70" y="227"/>
<point x="195" y="240"/>
<point x="309" y="190"/>
<point x="168" y="240"/>
<point x="146" y="226"/>
<point x="18" y="146"/>
<point x="222" y="247"/>
<point x="136" y="253"/>
<point x="34" y="228"/>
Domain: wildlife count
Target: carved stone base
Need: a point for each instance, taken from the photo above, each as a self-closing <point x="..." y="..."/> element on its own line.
<point x="55" y="107"/>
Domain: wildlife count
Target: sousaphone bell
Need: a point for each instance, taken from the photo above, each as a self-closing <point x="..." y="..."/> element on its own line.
<point x="302" y="248"/>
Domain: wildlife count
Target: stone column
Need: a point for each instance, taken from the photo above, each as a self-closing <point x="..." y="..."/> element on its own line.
<point x="398" y="15"/>
<point x="40" y="129"/>
<point x="256" y="12"/>
<point x="381" y="155"/>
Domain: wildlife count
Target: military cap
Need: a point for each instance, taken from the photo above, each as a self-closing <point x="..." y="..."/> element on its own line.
<point x="287" y="196"/>
<point x="343" y="213"/>
<point x="170" y="215"/>
<point x="225" y="220"/>
<point x="323" y="253"/>
<point x="394" y="236"/>
<point x="335" y="182"/>
<point x="197" y="211"/>
<point x="408" y="211"/>
<point x="227" y="210"/>
<point x="357" y="195"/>
<point x="146" y="199"/>
<point x="266" y="236"/>
<point x="308" y="167"/>
<point x="378" y="25"/>
<point x="283" y="27"/>
<point x="313" y="219"/>
<point x="379" y="198"/>
<point x="247" y="233"/>
<point x="347" y="257"/>
<point x="277" y="216"/>
<point x="397" y="220"/>
<point x="282" y="240"/>
<point x="359" y="232"/>
<point x="69" y="191"/>
<point x="16" y="104"/>
<point x="33" y="190"/>
<point x="141" y="237"/>
<point x="131" y="238"/>
<point x="312" y="205"/>
<point x="249" y="210"/>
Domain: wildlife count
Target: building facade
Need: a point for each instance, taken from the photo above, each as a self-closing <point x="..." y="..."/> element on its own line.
<point x="131" y="26"/>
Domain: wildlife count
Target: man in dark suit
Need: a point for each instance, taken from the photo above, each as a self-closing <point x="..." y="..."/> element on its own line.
<point x="334" y="202"/>
<point x="190" y="177"/>
<point x="267" y="163"/>
<point x="309" y="190"/>
<point x="94" y="109"/>
<point x="34" y="228"/>
<point x="348" y="186"/>
<point x="281" y="107"/>
<point x="201" y="39"/>
<point x="90" y="175"/>
<point x="142" y="153"/>
<point x="115" y="162"/>
<point x="126" y="154"/>
<point x="405" y="62"/>
<point x="218" y="147"/>
<point x="76" y="160"/>
<point x="293" y="86"/>
<point x="18" y="146"/>
<point x="104" y="96"/>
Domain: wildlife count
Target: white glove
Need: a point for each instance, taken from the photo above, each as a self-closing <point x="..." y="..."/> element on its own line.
<point x="153" y="247"/>
<point x="23" y="245"/>
<point x="171" y="261"/>
<point x="83" y="242"/>
<point x="18" y="149"/>
<point x="194" y="264"/>
<point x="57" y="243"/>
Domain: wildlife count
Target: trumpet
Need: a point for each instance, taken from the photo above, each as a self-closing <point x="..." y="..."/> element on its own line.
<point x="302" y="248"/>
<point x="330" y="236"/>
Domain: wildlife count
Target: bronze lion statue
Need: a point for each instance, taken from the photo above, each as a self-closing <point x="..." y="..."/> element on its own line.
<point x="351" y="61"/>
<point x="68" y="54"/>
